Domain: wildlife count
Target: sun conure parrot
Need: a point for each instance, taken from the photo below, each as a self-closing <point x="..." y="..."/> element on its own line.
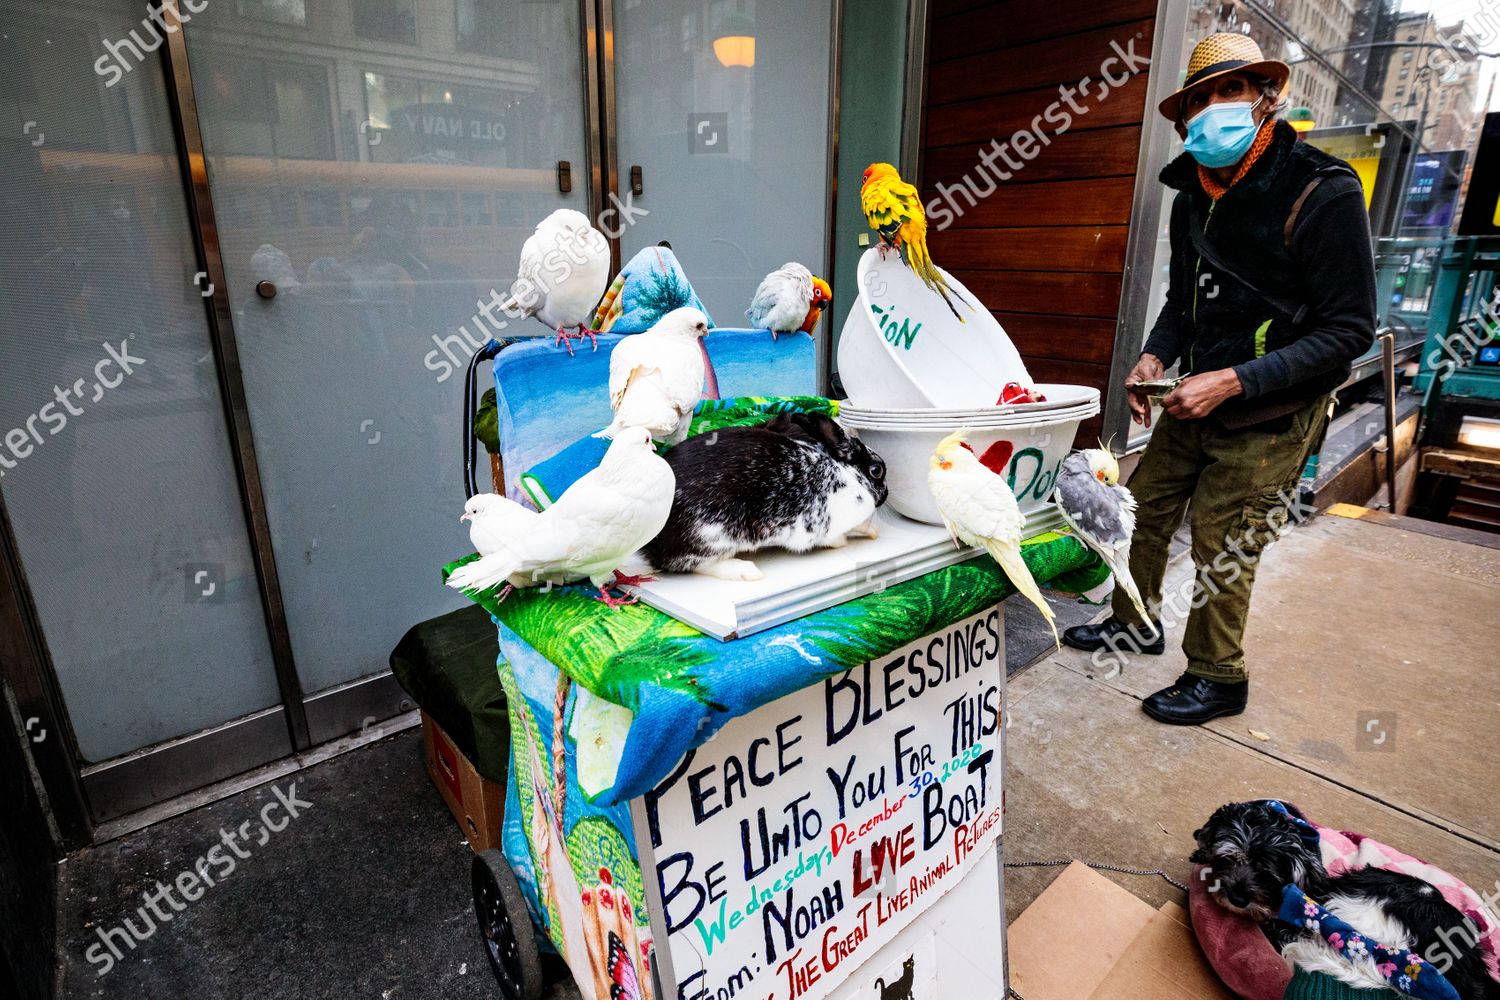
<point x="894" y="210"/>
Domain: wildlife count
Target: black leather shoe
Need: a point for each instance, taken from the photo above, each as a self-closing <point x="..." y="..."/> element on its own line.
<point x="1192" y="701"/>
<point x="1115" y="634"/>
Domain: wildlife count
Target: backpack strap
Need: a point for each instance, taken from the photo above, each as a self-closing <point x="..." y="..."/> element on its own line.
<point x="1291" y="219"/>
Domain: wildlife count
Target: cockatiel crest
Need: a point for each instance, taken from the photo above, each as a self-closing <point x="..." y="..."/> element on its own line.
<point x="979" y="508"/>
<point x="894" y="210"/>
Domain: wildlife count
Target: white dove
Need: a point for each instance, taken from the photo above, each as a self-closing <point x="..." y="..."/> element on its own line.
<point x="492" y="519"/>
<point x="563" y="272"/>
<point x="978" y="508"/>
<point x="592" y="528"/>
<point x="789" y="298"/>
<point x="656" y="377"/>
<point x="1101" y="513"/>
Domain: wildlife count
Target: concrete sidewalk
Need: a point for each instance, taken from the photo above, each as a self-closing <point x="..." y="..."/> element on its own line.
<point x="1374" y="706"/>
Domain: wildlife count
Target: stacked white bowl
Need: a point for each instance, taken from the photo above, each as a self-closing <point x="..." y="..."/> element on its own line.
<point x="915" y="374"/>
<point x="1025" y="442"/>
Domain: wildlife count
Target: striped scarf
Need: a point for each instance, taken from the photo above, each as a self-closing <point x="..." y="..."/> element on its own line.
<point x="1262" y="142"/>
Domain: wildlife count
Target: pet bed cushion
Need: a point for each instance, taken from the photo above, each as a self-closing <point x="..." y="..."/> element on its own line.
<point x="1251" y="967"/>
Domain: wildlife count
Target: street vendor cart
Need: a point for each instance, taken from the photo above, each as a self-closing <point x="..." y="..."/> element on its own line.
<point x="805" y="803"/>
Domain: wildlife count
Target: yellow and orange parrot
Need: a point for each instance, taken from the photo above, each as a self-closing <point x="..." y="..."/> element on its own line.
<point x="894" y="210"/>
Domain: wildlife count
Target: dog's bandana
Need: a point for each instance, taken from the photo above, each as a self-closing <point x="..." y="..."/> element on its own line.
<point x="1404" y="970"/>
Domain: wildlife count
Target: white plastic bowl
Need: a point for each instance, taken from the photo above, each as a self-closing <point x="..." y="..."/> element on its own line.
<point x="1029" y="455"/>
<point x="901" y="346"/>
<point x="1059" y="396"/>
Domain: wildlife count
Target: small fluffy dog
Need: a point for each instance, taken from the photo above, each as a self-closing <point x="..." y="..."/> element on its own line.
<point x="1252" y="850"/>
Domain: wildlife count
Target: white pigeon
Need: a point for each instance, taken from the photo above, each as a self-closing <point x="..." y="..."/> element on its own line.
<point x="656" y="377"/>
<point x="978" y="508"/>
<point x="593" y="527"/>
<point x="787" y="299"/>
<point x="1101" y="513"/>
<point x="563" y="272"/>
<point x="492" y="519"/>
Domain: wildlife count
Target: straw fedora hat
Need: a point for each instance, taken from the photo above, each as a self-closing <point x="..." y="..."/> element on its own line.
<point x="1218" y="54"/>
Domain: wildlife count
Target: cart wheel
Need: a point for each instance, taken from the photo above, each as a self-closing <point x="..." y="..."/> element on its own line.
<point x="505" y="926"/>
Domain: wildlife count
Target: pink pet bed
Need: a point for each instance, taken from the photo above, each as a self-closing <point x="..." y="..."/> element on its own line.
<point x="1247" y="963"/>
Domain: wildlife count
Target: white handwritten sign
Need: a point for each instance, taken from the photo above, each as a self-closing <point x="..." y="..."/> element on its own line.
<point x="786" y="851"/>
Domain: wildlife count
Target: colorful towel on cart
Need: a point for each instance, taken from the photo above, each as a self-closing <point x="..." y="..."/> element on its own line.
<point x="546" y="400"/>
<point x="651" y="285"/>
<point x="662" y="688"/>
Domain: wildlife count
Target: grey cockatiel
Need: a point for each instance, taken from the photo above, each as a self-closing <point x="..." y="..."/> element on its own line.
<point x="1101" y="512"/>
<point x="587" y="534"/>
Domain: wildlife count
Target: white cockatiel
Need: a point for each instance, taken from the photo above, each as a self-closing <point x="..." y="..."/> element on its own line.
<point x="563" y="272"/>
<point x="593" y="527"/>
<point x="978" y="508"/>
<point x="656" y="377"/>
<point x="1101" y="513"/>
<point x="787" y="299"/>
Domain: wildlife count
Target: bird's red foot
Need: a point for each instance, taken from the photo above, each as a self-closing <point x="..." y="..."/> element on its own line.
<point x="505" y="593"/>
<point x="626" y="580"/>
<point x="615" y="602"/>
<point x="584" y="331"/>
<point x="562" y="338"/>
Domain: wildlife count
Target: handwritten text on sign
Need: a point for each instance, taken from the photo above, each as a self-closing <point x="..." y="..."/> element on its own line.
<point x="808" y="833"/>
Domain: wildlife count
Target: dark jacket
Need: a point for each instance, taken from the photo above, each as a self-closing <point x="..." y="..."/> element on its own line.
<point x="1280" y="285"/>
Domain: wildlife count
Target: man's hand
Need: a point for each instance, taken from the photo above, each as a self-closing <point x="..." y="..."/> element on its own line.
<point x="1200" y="395"/>
<point x="1147" y="369"/>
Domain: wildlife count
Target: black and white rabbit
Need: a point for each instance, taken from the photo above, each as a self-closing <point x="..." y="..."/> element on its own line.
<point x="798" y="483"/>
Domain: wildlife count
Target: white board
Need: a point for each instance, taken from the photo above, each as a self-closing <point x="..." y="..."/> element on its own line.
<point x="800" y="584"/>
<point x="781" y="857"/>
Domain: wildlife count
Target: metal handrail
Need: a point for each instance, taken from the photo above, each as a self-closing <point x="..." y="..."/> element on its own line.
<point x="471" y="452"/>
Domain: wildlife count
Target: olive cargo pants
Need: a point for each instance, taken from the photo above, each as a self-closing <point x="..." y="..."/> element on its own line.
<point x="1242" y="485"/>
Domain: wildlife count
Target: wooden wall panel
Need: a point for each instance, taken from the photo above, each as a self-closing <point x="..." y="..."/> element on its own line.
<point x="1068" y="59"/>
<point x="1045" y="249"/>
<point x="1101" y="152"/>
<point x="977" y="29"/>
<point x="1050" y="248"/>
<point x="975" y="122"/>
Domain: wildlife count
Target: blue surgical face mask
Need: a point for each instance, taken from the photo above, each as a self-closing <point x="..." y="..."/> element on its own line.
<point x="1221" y="134"/>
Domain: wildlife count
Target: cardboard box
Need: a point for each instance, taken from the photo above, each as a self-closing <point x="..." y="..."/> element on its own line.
<point x="476" y="802"/>
<point x="1087" y="937"/>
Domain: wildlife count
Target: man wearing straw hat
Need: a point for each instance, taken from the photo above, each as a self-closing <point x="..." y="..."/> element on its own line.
<point x="1271" y="296"/>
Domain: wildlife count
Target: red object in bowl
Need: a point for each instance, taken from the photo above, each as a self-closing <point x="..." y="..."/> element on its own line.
<point x="1014" y="392"/>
